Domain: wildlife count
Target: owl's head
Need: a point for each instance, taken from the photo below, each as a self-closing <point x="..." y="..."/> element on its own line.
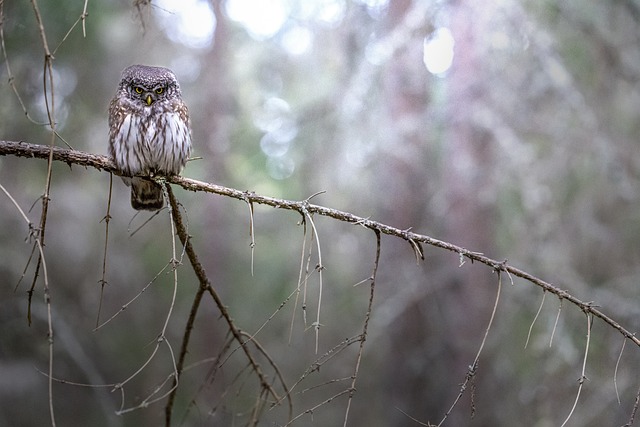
<point x="147" y="85"/>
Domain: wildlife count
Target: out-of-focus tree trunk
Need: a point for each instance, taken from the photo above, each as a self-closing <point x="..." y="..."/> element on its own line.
<point x="216" y="119"/>
<point x="220" y="103"/>
<point x="470" y="196"/>
<point x="436" y="338"/>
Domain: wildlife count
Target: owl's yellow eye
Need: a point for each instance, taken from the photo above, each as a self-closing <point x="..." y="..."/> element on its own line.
<point x="159" y="90"/>
<point x="138" y="89"/>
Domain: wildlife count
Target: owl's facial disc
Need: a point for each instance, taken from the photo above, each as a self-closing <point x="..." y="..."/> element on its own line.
<point x="149" y="96"/>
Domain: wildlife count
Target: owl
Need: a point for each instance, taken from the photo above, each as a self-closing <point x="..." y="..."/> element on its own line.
<point x="149" y="131"/>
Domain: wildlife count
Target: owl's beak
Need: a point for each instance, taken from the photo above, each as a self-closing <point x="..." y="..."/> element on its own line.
<point x="149" y="100"/>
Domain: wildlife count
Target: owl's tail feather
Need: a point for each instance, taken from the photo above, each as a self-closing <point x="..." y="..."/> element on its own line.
<point x="146" y="195"/>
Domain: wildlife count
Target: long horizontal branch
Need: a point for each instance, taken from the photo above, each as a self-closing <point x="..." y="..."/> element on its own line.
<point x="100" y="162"/>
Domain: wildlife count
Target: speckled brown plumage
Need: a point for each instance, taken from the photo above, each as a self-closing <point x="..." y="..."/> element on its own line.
<point x="149" y="131"/>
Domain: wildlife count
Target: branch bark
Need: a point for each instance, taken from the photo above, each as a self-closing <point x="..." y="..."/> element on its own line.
<point x="100" y="162"/>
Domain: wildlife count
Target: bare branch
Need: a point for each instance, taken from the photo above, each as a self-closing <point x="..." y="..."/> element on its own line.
<point x="634" y="410"/>
<point x="206" y="286"/>
<point x="100" y="162"/>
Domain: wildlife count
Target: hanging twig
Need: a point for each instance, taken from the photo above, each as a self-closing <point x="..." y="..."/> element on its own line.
<point x="555" y="324"/>
<point x="615" y="371"/>
<point x="365" y="328"/>
<point x="583" y="376"/>
<point x="471" y="373"/>
<point x="106" y="219"/>
<point x="533" y="322"/>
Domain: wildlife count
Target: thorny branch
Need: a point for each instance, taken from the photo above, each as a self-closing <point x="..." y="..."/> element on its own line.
<point x="49" y="102"/>
<point x="100" y="162"/>
<point x="206" y="287"/>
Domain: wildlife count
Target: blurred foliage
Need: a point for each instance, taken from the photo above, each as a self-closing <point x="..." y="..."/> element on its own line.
<point x="525" y="149"/>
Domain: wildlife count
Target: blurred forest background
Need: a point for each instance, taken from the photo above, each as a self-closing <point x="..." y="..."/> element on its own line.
<point x="507" y="127"/>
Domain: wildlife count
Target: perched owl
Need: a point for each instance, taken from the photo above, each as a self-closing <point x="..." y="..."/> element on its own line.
<point x="149" y="131"/>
